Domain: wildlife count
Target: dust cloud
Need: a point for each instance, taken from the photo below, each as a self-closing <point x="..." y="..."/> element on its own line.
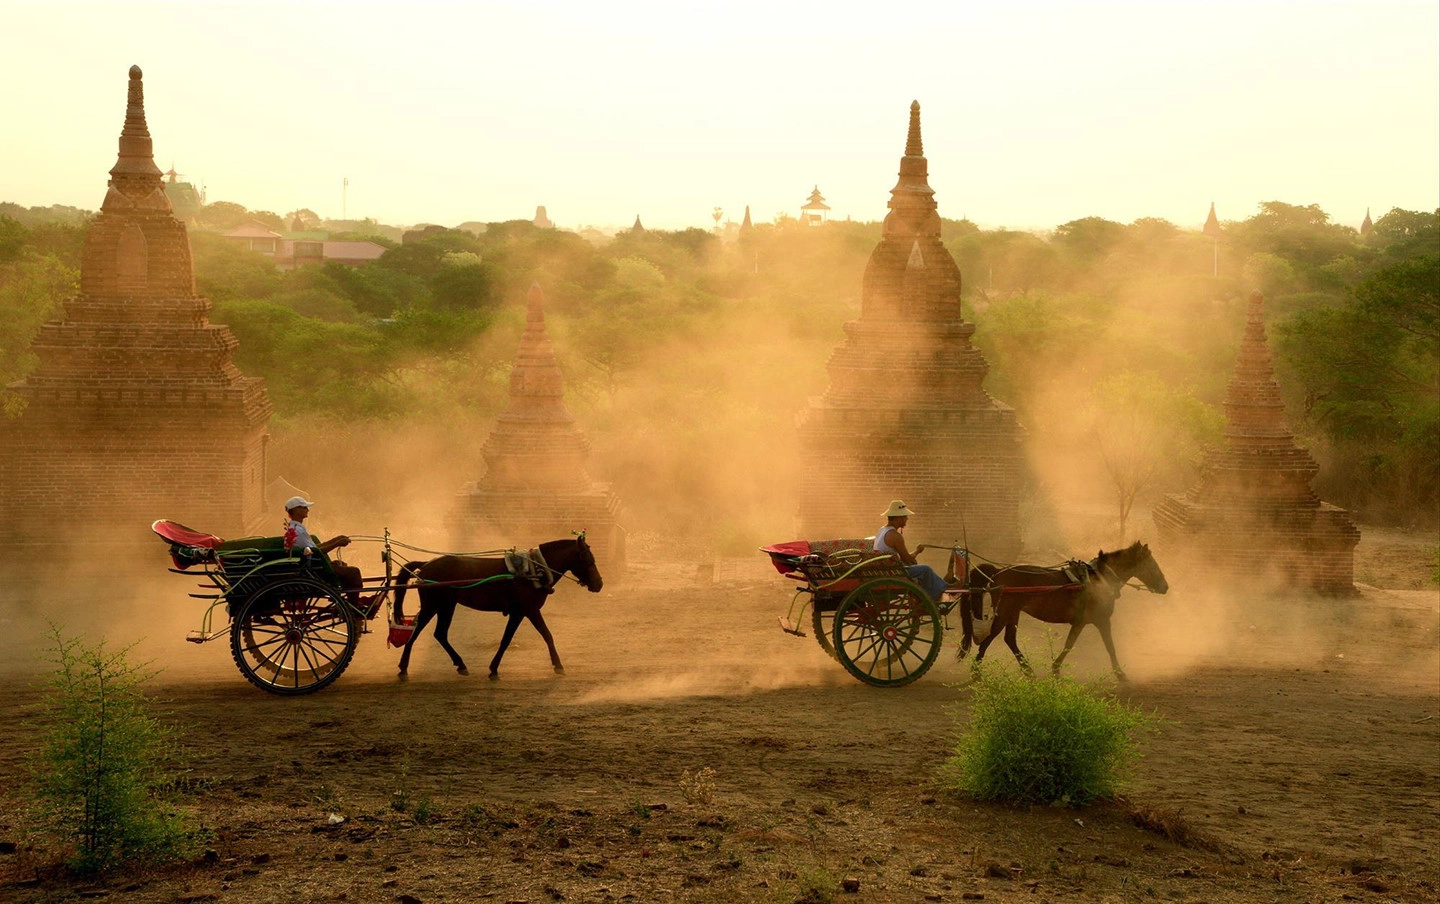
<point x="698" y="439"/>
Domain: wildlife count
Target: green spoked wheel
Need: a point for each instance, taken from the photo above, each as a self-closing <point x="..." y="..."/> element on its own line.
<point x="822" y="619"/>
<point x="294" y="637"/>
<point x="887" y="632"/>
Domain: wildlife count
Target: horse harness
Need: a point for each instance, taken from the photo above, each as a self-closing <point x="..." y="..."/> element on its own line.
<point x="530" y="565"/>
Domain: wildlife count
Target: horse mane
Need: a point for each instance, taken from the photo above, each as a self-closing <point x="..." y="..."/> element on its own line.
<point x="1133" y="549"/>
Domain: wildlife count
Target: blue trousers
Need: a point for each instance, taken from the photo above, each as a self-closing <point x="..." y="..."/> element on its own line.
<point x="928" y="579"/>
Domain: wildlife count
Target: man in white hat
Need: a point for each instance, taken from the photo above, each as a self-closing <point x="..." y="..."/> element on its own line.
<point x="889" y="539"/>
<point x="298" y="539"/>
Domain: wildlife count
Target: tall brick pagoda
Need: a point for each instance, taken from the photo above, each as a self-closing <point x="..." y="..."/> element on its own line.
<point x="905" y="414"/>
<point x="1253" y="512"/>
<point x="535" y="486"/>
<point x="135" y="411"/>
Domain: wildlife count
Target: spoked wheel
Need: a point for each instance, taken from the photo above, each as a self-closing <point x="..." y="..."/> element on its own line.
<point x="887" y="632"/>
<point x="294" y="637"/>
<point x="822" y="619"/>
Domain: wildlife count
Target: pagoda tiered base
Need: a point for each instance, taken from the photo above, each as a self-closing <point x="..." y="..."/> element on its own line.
<point x="1309" y="548"/>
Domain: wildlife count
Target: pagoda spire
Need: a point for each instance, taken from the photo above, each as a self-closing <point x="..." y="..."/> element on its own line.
<point x="1366" y="226"/>
<point x="137" y="151"/>
<point x="913" y="146"/>
<point x="912" y="202"/>
<point x="1212" y="225"/>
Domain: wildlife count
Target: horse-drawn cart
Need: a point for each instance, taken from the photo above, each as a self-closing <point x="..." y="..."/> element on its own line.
<point x="293" y="628"/>
<point x="864" y="609"/>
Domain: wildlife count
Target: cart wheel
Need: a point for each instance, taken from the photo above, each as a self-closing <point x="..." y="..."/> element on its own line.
<point x="887" y="632"/>
<point x="822" y="619"/>
<point x="294" y="637"/>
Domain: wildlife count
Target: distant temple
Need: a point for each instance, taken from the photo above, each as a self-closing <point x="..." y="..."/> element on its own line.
<point x="185" y="199"/>
<point x="745" y="226"/>
<point x="1212" y="224"/>
<point x="135" y="411"/>
<point x="905" y="414"/>
<point x="535" y="487"/>
<point x="541" y="220"/>
<point x="1253" y="514"/>
<point x="815" y="211"/>
<point x="1366" y="225"/>
<point x="638" y="227"/>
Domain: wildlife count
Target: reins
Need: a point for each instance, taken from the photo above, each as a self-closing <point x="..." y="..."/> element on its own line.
<point x="539" y="560"/>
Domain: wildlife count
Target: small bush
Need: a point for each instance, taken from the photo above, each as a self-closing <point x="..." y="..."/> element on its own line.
<point x="102" y="762"/>
<point x="1049" y="741"/>
<point x="698" y="787"/>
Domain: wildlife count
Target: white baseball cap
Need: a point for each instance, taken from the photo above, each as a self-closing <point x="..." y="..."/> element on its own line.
<point x="295" y="502"/>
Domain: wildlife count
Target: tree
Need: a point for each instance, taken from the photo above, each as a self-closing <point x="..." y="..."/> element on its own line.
<point x="1090" y="238"/>
<point x="463" y="285"/>
<point x="223" y="216"/>
<point x="1144" y="428"/>
<point x="31" y="292"/>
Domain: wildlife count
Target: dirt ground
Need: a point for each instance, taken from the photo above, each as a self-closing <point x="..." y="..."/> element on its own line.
<point x="693" y="752"/>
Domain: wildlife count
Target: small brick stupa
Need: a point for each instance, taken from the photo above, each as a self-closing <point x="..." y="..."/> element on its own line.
<point x="905" y="414"/>
<point x="1253" y="513"/>
<point x="535" y="486"/>
<point x="135" y="411"/>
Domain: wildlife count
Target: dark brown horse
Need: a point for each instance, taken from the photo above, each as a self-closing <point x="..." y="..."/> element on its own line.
<point x="1084" y="596"/>
<point x="487" y="585"/>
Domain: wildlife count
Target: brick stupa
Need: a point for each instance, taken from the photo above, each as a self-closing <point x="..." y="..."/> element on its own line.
<point x="135" y="411"/>
<point x="1253" y="512"/>
<point x="905" y="415"/>
<point x="536" y="487"/>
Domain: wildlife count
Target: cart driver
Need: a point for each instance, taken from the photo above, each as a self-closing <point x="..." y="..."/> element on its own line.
<point x="890" y="539"/>
<point x="298" y="539"/>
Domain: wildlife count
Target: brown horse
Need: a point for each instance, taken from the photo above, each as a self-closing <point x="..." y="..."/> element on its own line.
<point x="487" y="585"/>
<point x="1085" y="596"/>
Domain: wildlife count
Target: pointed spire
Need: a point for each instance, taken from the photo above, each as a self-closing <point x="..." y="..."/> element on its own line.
<point x="913" y="146"/>
<point x="1212" y="225"/>
<point x="638" y="227"/>
<point x="745" y="226"/>
<point x="1367" y="225"/>
<point x="137" y="152"/>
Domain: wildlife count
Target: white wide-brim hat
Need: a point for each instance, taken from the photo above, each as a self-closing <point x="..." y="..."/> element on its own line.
<point x="898" y="509"/>
<point x="295" y="502"/>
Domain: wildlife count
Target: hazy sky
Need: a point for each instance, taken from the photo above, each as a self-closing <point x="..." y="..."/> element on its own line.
<point x="1034" y="113"/>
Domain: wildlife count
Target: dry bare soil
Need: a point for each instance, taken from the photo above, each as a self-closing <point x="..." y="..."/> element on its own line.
<point x="1297" y="757"/>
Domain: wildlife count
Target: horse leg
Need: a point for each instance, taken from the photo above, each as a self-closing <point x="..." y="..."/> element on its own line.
<point x="510" y="627"/>
<point x="1011" y="632"/>
<point x="1069" y="642"/>
<point x="967" y="624"/>
<point x="1104" y="628"/>
<point x="421" y="620"/>
<point x="442" y="634"/>
<point x="538" y="620"/>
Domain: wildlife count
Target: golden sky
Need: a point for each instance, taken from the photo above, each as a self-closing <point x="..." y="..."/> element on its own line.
<point x="1034" y="113"/>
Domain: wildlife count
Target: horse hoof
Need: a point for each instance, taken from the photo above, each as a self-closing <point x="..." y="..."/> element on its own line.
<point x="404" y="677"/>
<point x="560" y="672"/>
<point x="494" y="676"/>
<point x="463" y="671"/>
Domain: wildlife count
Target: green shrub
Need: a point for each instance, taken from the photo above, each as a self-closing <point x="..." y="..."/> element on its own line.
<point x="1049" y="741"/>
<point x="102" y="762"/>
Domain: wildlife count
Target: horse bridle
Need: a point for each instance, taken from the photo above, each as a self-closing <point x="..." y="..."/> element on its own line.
<point x="556" y="576"/>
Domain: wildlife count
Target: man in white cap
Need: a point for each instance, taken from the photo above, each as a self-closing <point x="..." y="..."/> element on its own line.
<point x="889" y="539"/>
<point x="298" y="539"/>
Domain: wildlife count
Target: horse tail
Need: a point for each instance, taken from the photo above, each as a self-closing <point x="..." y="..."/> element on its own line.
<point x="407" y="574"/>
